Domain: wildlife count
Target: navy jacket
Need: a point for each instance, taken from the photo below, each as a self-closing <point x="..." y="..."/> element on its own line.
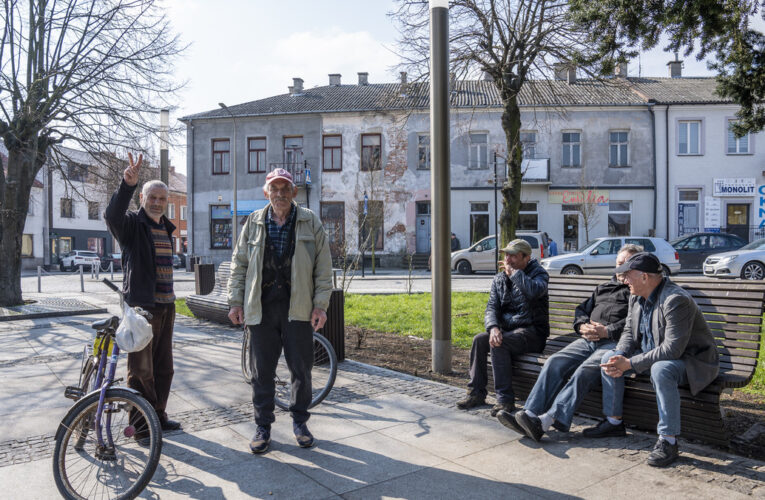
<point x="133" y="231"/>
<point x="608" y="305"/>
<point x="520" y="301"/>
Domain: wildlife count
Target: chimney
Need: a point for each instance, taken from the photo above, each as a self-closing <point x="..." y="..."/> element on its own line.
<point x="571" y="74"/>
<point x="561" y="71"/>
<point x="363" y="78"/>
<point x="404" y="83"/>
<point x="621" y="70"/>
<point x="297" y="85"/>
<point x="334" y="79"/>
<point x="675" y="68"/>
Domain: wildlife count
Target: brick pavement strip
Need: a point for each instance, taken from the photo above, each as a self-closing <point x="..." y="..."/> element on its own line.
<point x="697" y="463"/>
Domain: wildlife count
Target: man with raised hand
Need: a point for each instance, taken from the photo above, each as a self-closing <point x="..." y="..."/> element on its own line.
<point x="145" y="237"/>
<point x="569" y="374"/>
<point x="280" y="285"/>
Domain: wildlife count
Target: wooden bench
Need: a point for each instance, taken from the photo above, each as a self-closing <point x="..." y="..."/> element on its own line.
<point x="214" y="306"/>
<point x="733" y="309"/>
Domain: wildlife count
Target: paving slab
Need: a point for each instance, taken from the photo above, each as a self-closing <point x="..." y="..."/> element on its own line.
<point x="387" y="410"/>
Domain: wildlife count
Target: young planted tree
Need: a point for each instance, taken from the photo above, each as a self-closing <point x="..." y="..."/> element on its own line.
<point x="516" y="42"/>
<point x="724" y="30"/>
<point x="81" y="72"/>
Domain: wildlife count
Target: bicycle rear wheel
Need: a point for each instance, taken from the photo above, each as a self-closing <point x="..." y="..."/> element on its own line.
<point x="323" y="374"/>
<point x="120" y="471"/>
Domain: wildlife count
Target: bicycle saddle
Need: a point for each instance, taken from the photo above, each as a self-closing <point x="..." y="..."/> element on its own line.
<point x="106" y="323"/>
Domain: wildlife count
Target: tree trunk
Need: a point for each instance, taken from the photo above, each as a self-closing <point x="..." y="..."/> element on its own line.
<point x="511" y="189"/>
<point x="15" y="188"/>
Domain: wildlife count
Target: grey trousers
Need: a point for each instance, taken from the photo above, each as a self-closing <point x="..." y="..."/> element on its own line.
<point x="267" y="339"/>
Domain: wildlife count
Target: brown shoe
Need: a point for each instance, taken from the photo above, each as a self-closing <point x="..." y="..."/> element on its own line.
<point x="508" y="407"/>
<point x="471" y="401"/>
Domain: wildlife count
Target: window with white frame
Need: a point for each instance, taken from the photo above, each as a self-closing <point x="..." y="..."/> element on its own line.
<point x="479" y="150"/>
<point x="183" y="212"/>
<point x="171" y="211"/>
<point x="619" y="218"/>
<point x="479" y="221"/>
<point x="689" y="137"/>
<point x="618" y="148"/>
<point x="529" y="144"/>
<point x="572" y="149"/>
<point x="737" y="145"/>
<point x="423" y="151"/>
<point x="528" y="217"/>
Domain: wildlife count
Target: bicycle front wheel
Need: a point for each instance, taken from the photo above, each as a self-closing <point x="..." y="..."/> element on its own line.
<point x="119" y="468"/>
<point x="323" y="374"/>
<point x="246" y="360"/>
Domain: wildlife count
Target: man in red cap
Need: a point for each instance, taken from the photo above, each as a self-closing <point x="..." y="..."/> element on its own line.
<point x="280" y="284"/>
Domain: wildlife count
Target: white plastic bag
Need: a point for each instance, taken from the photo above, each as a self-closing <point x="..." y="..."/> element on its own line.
<point x="134" y="332"/>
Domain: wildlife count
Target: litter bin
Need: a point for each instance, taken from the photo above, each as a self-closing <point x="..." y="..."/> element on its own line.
<point x="334" y="328"/>
<point x="204" y="278"/>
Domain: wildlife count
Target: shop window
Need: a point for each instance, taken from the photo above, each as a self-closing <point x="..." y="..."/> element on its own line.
<point x="619" y="218"/>
<point x="479" y="221"/>
<point x="220" y="226"/>
<point x="528" y="217"/>
<point x="27" y="245"/>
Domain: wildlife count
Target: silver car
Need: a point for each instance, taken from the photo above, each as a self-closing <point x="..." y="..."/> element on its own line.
<point x="599" y="256"/>
<point x="748" y="262"/>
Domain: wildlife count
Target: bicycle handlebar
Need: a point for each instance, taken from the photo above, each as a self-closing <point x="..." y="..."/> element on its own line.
<point x="111" y="285"/>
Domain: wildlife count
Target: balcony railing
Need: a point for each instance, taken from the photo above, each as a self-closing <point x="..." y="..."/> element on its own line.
<point x="300" y="171"/>
<point x="535" y="171"/>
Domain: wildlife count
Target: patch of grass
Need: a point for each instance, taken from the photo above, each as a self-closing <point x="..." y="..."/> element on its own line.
<point x="757" y="385"/>
<point x="411" y="314"/>
<point x="182" y="309"/>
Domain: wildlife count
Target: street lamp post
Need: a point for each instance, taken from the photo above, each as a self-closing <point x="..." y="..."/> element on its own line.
<point x="235" y="225"/>
<point x="164" y="146"/>
<point x="365" y="235"/>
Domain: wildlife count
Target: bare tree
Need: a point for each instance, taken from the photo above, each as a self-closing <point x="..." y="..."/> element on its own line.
<point x="81" y="72"/>
<point x="589" y="204"/>
<point x="516" y="42"/>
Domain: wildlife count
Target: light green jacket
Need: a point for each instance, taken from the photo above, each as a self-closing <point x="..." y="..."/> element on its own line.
<point x="311" y="284"/>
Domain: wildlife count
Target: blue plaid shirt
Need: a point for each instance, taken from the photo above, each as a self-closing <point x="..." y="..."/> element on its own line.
<point x="647" y="305"/>
<point x="279" y="235"/>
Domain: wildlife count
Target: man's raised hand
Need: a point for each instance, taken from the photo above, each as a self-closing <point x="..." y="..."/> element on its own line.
<point x="131" y="173"/>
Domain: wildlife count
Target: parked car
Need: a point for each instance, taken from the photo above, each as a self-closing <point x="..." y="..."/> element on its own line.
<point x="748" y="262"/>
<point x="695" y="248"/>
<point x="599" y="256"/>
<point x="481" y="256"/>
<point x="179" y="260"/>
<point x="111" y="258"/>
<point x="70" y="261"/>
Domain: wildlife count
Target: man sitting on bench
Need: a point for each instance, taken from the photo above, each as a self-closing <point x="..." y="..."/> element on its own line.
<point x="599" y="320"/>
<point x="666" y="334"/>
<point x="516" y="321"/>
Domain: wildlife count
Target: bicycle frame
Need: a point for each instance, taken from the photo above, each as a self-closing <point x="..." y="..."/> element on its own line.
<point x="104" y="384"/>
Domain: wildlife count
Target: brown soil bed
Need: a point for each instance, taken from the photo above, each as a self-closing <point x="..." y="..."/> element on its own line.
<point x="412" y="355"/>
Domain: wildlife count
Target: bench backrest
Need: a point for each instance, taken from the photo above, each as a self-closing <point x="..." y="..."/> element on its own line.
<point x="221" y="278"/>
<point x="733" y="309"/>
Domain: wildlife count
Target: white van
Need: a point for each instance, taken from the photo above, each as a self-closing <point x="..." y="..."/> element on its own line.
<point x="481" y="256"/>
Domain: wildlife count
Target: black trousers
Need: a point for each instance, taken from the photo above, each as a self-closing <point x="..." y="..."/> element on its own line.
<point x="274" y="333"/>
<point x="150" y="370"/>
<point x="514" y="343"/>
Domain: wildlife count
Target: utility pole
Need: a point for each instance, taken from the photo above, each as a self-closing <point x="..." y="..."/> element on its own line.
<point x="440" y="186"/>
<point x="164" y="141"/>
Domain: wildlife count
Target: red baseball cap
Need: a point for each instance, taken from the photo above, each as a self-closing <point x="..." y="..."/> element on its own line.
<point x="278" y="174"/>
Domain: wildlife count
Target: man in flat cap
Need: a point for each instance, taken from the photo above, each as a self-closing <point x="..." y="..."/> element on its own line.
<point x="280" y="284"/>
<point x="665" y="335"/>
<point x="516" y="321"/>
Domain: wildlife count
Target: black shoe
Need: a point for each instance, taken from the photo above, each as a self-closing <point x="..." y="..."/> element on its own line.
<point x="532" y="426"/>
<point x="605" y="429"/>
<point x="170" y="425"/>
<point x="663" y="453"/>
<point x="508" y="407"/>
<point x="143" y="439"/>
<point x="507" y="419"/>
<point x="471" y="401"/>
<point x="303" y="436"/>
<point x="261" y="440"/>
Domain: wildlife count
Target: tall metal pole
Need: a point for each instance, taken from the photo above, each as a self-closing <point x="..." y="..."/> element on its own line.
<point x="440" y="186"/>
<point x="164" y="140"/>
<point x="496" y="225"/>
<point x="234" y="225"/>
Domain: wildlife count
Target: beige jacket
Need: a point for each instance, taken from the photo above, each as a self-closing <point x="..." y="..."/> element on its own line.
<point x="311" y="267"/>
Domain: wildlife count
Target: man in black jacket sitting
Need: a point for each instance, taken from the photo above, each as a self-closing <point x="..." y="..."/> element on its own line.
<point x="572" y="372"/>
<point x="516" y="322"/>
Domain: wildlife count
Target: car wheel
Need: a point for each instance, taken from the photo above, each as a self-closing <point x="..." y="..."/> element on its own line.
<point x="753" y="271"/>
<point x="665" y="271"/>
<point x="571" y="270"/>
<point x="464" y="267"/>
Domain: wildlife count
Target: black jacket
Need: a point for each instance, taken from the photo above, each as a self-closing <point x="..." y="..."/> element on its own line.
<point x="133" y="231"/>
<point x="520" y="301"/>
<point x="608" y="305"/>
